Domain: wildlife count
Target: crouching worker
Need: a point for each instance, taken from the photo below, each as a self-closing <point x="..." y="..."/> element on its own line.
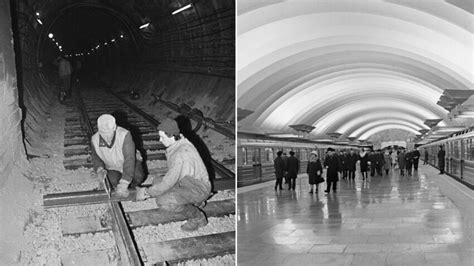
<point x="114" y="156"/>
<point x="185" y="187"/>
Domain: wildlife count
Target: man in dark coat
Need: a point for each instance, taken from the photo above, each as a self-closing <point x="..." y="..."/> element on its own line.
<point x="409" y="162"/>
<point x="293" y="166"/>
<point x="373" y="159"/>
<point x="380" y="162"/>
<point x="441" y="155"/>
<point x="331" y="163"/>
<point x="401" y="161"/>
<point x="343" y="161"/>
<point x="279" y="166"/>
<point x="416" y="158"/>
<point x="351" y="164"/>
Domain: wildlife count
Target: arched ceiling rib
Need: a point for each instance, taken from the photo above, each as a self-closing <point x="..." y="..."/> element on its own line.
<point x="301" y="62"/>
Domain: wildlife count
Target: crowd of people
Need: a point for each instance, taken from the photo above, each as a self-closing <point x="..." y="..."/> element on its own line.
<point x="343" y="164"/>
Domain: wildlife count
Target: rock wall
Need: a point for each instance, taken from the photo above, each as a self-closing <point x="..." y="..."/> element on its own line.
<point x="14" y="187"/>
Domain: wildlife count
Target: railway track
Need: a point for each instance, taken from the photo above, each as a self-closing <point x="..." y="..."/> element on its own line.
<point x="130" y="222"/>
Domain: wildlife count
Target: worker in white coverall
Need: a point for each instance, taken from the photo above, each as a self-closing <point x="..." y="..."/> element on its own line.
<point x="186" y="186"/>
<point x="114" y="156"/>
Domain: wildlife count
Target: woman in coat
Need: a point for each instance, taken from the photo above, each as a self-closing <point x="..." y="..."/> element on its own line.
<point x="387" y="162"/>
<point x="364" y="159"/>
<point x="401" y="161"/>
<point x="314" y="171"/>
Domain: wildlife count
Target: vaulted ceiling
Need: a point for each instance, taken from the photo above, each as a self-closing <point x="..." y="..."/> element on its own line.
<point x="351" y="67"/>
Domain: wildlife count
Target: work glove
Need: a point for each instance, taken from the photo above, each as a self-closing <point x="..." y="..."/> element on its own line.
<point x="138" y="156"/>
<point x="142" y="194"/>
<point x="122" y="188"/>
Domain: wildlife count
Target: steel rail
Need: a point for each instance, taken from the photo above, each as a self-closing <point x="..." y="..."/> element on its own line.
<point x="100" y="196"/>
<point x="126" y="245"/>
<point x="220" y="169"/>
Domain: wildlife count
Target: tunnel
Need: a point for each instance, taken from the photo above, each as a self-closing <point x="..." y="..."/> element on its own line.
<point x="183" y="51"/>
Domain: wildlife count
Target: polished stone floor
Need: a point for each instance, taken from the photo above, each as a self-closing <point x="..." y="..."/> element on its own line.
<point x="424" y="219"/>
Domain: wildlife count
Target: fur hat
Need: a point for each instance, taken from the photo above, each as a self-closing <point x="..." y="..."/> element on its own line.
<point x="330" y="149"/>
<point x="169" y="126"/>
<point x="315" y="153"/>
<point x="106" y="124"/>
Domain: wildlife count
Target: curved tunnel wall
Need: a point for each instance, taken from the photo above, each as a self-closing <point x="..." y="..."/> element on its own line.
<point x="299" y="61"/>
<point x="186" y="56"/>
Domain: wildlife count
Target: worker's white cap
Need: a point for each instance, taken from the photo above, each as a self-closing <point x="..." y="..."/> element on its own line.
<point x="106" y="124"/>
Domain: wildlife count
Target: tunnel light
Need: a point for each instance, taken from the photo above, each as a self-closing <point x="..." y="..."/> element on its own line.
<point x="37" y="14"/>
<point x="60" y="47"/>
<point x="113" y="40"/>
<point x="105" y="43"/>
<point x="50" y="35"/>
<point x="144" y="25"/>
<point x="181" y="9"/>
<point x="39" y="21"/>
<point x="121" y="36"/>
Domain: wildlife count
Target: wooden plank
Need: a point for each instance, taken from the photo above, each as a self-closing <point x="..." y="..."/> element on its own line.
<point x="77" y="151"/>
<point x="158" y="216"/>
<point x="156" y="156"/>
<point x="78" y="141"/>
<point x="101" y="257"/>
<point x="173" y="251"/>
<point x="81" y="225"/>
<point x="77" y="166"/>
<point x="91" y="224"/>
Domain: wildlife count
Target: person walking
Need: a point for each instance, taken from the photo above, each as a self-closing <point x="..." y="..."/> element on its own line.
<point x="293" y="166"/>
<point x="394" y="156"/>
<point x="416" y="158"/>
<point x="343" y="162"/>
<point x="351" y="164"/>
<point x="332" y="165"/>
<point x="387" y="162"/>
<point x="364" y="161"/>
<point x="314" y="171"/>
<point x="401" y="161"/>
<point x="279" y="166"/>
<point x="64" y="71"/>
<point x="427" y="156"/>
<point x="373" y="159"/>
<point x="441" y="155"/>
<point x="409" y="162"/>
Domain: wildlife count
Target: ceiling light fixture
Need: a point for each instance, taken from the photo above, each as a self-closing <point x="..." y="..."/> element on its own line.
<point x="181" y="9"/>
<point x="144" y="25"/>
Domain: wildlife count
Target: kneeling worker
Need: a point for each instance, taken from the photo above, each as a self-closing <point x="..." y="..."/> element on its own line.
<point x="114" y="156"/>
<point x="185" y="187"/>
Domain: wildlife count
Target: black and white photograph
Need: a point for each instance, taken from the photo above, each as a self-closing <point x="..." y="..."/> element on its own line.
<point x="355" y="132"/>
<point x="118" y="132"/>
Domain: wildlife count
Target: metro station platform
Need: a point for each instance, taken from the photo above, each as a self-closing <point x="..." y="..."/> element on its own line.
<point x="424" y="219"/>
